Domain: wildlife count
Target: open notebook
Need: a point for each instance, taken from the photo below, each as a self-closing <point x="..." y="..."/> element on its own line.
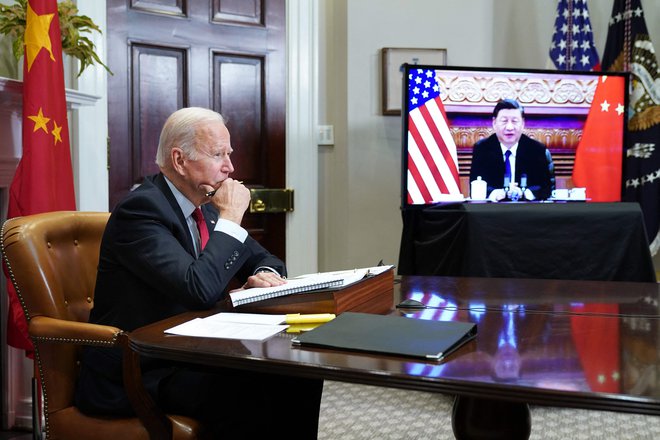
<point x="305" y="283"/>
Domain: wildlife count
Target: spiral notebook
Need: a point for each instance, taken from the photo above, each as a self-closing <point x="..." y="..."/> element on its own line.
<point x="320" y="281"/>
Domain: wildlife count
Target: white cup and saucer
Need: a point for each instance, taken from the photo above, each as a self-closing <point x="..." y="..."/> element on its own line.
<point x="578" y="194"/>
<point x="560" y="194"/>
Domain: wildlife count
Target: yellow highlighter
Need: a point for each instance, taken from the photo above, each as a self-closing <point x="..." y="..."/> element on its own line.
<point x="297" y="318"/>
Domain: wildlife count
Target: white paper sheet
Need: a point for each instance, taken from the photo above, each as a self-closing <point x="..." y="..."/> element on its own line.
<point x="351" y="276"/>
<point x="246" y="318"/>
<point x="216" y="326"/>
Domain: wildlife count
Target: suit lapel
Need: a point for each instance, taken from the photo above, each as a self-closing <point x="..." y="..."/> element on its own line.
<point x="521" y="157"/>
<point x="496" y="152"/>
<point x="161" y="184"/>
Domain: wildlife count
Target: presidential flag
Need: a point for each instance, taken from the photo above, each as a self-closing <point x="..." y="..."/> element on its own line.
<point x="572" y="46"/>
<point x="44" y="179"/>
<point x="598" y="156"/>
<point x="432" y="157"/>
<point x="629" y="48"/>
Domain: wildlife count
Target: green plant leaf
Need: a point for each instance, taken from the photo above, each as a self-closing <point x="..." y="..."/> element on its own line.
<point x="12" y="24"/>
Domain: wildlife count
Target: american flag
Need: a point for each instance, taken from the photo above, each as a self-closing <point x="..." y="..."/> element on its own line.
<point x="432" y="158"/>
<point x="572" y="46"/>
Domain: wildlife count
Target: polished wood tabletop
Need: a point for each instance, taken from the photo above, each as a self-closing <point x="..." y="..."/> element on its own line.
<point x="583" y="344"/>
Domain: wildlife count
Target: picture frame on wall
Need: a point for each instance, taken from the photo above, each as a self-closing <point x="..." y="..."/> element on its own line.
<point x="392" y="60"/>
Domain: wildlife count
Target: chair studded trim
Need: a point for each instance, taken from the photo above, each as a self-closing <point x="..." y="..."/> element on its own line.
<point x="80" y="341"/>
<point x="3" y="233"/>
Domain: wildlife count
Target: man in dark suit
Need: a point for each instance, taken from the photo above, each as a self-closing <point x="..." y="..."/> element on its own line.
<point x="156" y="262"/>
<point x="513" y="165"/>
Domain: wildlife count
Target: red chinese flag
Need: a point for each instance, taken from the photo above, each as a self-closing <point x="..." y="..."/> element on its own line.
<point x="599" y="155"/>
<point x="44" y="179"/>
<point x="597" y="342"/>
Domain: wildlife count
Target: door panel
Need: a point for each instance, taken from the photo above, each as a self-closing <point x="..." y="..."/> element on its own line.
<point x="239" y="11"/>
<point x="227" y="55"/>
<point x="243" y="103"/>
<point x="158" y="90"/>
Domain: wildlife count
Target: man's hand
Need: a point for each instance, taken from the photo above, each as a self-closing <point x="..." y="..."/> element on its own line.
<point x="231" y="199"/>
<point x="497" y="195"/>
<point x="262" y="279"/>
<point x="515" y="193"/>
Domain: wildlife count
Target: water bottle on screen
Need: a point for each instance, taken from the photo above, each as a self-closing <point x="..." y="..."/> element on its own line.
<point x="478" y="189"/>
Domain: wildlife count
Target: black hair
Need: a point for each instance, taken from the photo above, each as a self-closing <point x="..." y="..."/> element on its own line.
<point x="508" y="104"/>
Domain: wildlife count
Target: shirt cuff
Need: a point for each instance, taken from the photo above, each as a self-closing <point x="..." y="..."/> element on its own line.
<point x="266" y="269"/>
<point x="231" y="228"/>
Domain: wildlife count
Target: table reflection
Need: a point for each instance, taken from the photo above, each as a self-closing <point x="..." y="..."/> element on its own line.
<point x="573" y="346"/>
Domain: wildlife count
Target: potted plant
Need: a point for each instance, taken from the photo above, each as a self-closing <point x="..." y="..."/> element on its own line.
<point x="72" y="25"/>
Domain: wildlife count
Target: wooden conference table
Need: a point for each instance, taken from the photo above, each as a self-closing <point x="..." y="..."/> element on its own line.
<point x="581" y="344"/>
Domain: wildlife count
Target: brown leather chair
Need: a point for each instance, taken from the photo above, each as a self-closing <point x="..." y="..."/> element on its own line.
<point x="52" y="260"/>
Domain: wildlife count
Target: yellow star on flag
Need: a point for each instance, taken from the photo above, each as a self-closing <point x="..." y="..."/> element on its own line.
<point x="36" y="35"/>
<point x="56" y="132"/>
<point x="40" y="121"/>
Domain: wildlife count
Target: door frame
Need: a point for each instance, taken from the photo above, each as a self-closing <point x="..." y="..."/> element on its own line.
<point x="302" y="46"/>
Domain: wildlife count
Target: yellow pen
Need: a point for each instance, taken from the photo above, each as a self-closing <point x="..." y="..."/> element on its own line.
<point x="297" y="318"/>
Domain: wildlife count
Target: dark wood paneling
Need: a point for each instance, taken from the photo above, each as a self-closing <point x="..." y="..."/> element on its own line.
<point x="166" y="7"/>
<point x="159" y="88"/>
<point x="249" y="12"/>
<point x="238" y="95"/>
<point x="228" y="55"/>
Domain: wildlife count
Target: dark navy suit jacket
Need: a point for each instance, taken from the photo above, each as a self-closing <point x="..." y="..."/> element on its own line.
<point x="532" y="158"/>
<point x="147" y="272"/>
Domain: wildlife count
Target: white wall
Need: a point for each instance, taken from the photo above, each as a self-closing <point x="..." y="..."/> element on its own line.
<point x="360" y="176"/>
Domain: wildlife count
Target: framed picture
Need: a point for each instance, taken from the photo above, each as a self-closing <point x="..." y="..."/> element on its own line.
<point x="392" y="59"/>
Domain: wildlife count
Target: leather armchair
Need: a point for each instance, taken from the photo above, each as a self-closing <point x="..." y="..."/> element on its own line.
<point x="52" y="260"/>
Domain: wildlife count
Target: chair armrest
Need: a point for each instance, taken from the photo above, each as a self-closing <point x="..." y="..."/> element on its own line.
<point x="47" y="329"/>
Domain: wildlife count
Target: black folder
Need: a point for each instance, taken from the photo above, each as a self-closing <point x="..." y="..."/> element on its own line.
<point x="389" y="334"/>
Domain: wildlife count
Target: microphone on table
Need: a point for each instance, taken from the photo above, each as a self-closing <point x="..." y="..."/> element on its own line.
<point x="523" y="184"/>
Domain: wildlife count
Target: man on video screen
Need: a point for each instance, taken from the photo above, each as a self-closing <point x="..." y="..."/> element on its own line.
<point x="514" y="166"/>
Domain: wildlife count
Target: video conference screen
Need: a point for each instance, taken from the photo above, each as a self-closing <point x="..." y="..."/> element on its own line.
<point x="577" y="119"/>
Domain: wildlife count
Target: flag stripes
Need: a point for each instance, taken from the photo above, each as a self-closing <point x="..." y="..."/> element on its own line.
<point x="432" y="154"/>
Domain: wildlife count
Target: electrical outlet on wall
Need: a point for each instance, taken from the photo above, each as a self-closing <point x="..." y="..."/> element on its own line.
<point x="326" y="135"/>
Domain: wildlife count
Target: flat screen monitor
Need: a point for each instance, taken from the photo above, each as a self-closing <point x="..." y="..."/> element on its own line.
<point x="579" y="117"/>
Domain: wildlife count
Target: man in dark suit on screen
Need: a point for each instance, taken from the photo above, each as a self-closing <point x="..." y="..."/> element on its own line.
<point x="162" y="255"/>
<point x="514" y="166"/>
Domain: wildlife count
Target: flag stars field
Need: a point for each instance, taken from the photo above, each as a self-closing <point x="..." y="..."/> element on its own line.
<point x="56" y="133"/>
<point x="572" y="42"/>
<point x="36" y="35"/>
<point x="40" y="121"/>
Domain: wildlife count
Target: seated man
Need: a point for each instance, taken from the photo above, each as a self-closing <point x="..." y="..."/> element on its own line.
<point x="158" y="259"/>
<point x="513" y="165"/>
